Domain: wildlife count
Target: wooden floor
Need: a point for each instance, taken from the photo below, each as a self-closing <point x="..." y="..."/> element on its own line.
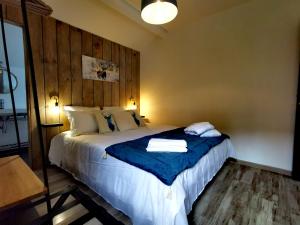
<point x="244" y="195"/>
<point x="238" y="195"/>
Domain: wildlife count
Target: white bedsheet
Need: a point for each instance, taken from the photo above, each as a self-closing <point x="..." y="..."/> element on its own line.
<point x="137" y="193"/>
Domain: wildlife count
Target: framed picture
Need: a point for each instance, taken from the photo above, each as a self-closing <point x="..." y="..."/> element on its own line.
<point x="99" y="69"/>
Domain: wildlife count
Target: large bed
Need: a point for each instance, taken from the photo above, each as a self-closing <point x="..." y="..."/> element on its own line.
<point x="137" y="193"/>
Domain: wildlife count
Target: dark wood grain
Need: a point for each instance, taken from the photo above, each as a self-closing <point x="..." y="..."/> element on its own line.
<point x="50" y="73"/>
<point x="138" y="81"/>
<point x="64" y="71"/>
<point x="115" y="85"/>
<point x="98" y="85"/>
<point x="4" y="12"/>
<point x="134" y="74"/>
<point x="36" y="30"/>
<point x="14" y="15"/>
<point x="87" y="85"/>
<point x="244" y="195"/>
<point x="122" y="76"/>
<point x="75" y="42"/>
<point x="128" y="75"/>
<point x="107" y="86"/>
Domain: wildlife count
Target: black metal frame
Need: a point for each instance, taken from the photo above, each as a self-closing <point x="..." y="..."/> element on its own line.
<point x="34" y="90"/>
<point x="9" y="76"/>
<point x="94" y="210"/>
<point x="296" y="155"/>
<point x="35" y="99"/>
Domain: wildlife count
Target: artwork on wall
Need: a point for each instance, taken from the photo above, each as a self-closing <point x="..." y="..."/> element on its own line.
<point x="98" y="69"/>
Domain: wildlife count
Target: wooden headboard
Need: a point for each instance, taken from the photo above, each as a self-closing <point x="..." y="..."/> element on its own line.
<point x="57" y="50"/>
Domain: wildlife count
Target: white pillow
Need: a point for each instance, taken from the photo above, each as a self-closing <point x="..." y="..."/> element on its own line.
<point x="81" y="108"/>
<point x="114" y="108"/>
<point x="103" y="125"/>
<point x="137" y="118"/>
<point x="124" y="120"/>
<point x="211" y="133"/>
<point x="110" y="120"/>
<point x="82" y="122"/>
<point x="199" y="128"/>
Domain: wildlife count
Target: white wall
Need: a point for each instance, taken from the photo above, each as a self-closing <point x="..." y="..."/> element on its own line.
<point x="95" y="17"/>
<point x="237" y="69"/>
<point x="14" y="39"/>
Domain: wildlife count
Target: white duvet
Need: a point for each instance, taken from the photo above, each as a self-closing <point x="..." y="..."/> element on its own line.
<point x="137" y="193"/>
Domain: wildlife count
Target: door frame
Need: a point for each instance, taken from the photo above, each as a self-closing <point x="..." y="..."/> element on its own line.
<point x="296" y="155"/>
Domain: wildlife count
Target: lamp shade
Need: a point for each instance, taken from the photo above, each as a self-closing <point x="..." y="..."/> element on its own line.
<point x="159" y="11"/>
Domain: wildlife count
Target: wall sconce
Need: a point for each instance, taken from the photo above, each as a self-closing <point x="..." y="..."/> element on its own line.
<point x="56" y="100"/>
<point x="55" y="109"/>
<point x="132" y="104"/>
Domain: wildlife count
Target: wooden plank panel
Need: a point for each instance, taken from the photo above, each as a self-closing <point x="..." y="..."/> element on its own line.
<point x="122" y="76"/>
<point x="128" y="75"/>
<point x="4" y="11"/>
<point x="13" y="14"/>
<point x="64" y="71"/>
<point x="116" y="85"/>
<point x="50" y="73"/>
<point x="138" y="80"/>
<point x="107" y="86"/>
<point x="36" y="29"/>
<point x="60" y="72"/>
<point x="98" y="85"/>
<point x="134" y="74"/>
<point x="75" y="41"/>
<point x="87" y="85"/>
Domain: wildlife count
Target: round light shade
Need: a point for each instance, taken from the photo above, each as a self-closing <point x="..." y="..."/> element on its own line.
<point x="159" y="11"/>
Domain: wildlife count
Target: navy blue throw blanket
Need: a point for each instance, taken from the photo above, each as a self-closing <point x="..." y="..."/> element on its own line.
<point x="164" y="165"/>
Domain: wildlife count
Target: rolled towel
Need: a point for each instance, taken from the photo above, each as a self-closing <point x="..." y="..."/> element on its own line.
<point x="211" y="133"/>
<point x="198" y="128"/>
<point x="166" y="149"/>
<point x="160" y="142"/>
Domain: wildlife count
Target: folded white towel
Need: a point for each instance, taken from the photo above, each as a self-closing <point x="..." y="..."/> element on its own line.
<point x="211" y="133"/>
<point x="160" y="142"/>
<point x="198" y="128"/>
<point x="166" y="149"/>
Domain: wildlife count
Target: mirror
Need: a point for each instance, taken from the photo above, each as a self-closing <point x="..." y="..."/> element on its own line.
<point x="4" y="82"/>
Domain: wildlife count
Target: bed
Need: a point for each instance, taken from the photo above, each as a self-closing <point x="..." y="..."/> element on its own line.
<point x="137" y="193"/>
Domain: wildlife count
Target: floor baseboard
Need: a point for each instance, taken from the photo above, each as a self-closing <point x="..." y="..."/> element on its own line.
<point x="263" y="167"/>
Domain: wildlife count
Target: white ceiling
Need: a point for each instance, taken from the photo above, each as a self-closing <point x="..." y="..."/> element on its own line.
<point x="191" y="10"/>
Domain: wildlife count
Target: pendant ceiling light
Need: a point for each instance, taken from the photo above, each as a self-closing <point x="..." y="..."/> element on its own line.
<point x="159" y="11"/>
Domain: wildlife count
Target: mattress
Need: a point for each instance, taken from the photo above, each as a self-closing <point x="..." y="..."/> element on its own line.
<point x="137" y="193"/>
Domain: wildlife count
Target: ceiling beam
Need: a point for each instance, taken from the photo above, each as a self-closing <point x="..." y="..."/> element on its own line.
<point x="126" y="9"/>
